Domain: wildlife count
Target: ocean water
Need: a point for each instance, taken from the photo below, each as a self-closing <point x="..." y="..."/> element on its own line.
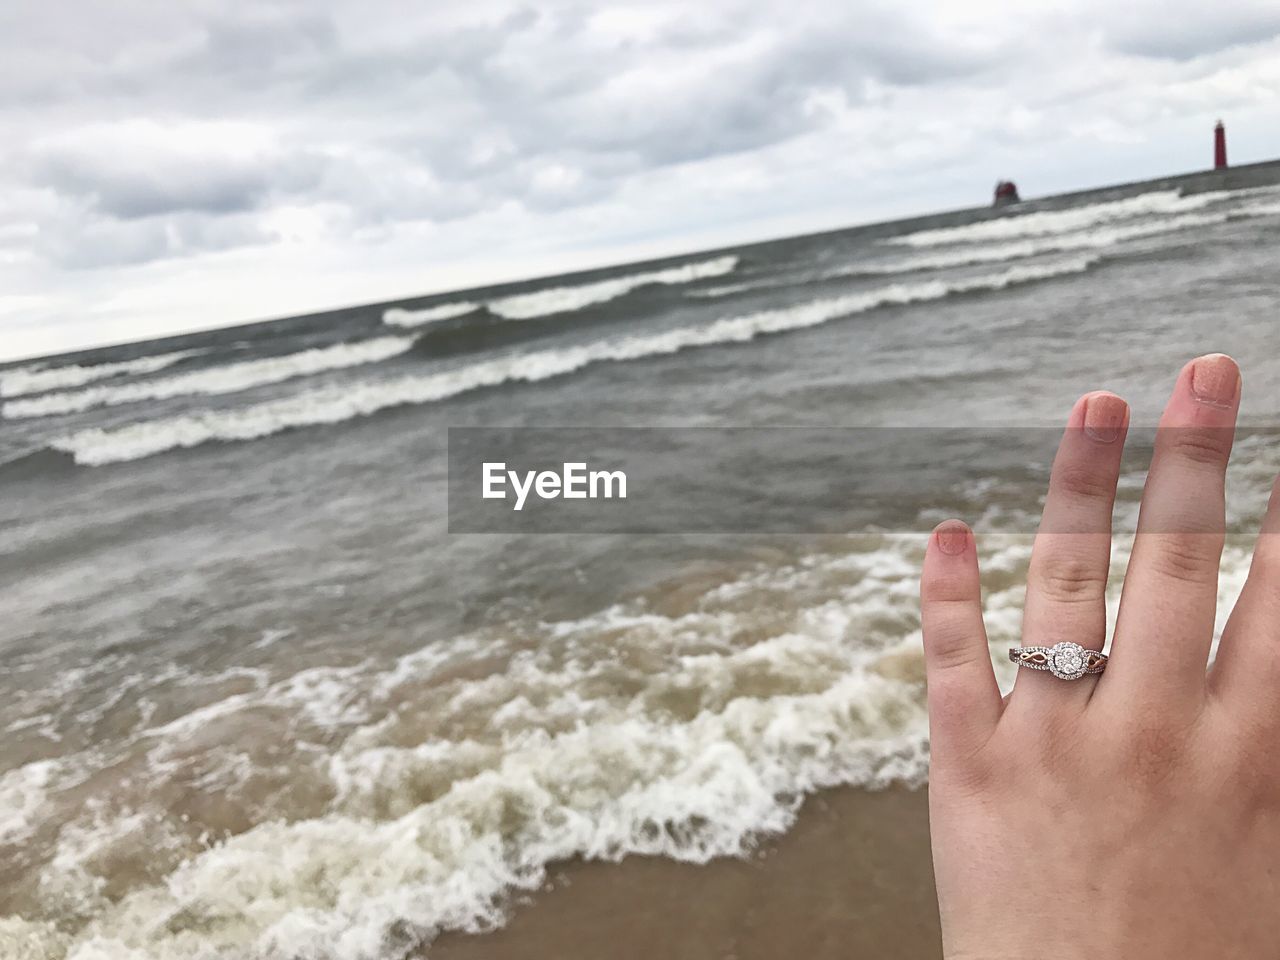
<point x="257" y="702"/>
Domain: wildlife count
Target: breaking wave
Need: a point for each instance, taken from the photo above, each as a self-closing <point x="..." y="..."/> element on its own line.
<point x="1047" y="223"/>
<point x="1096" y="239"/>
<point x="37" y="378"/>
<point x="215" y="380"/>
<point x="730" y="289"/>
<point x="540" y="303"/>
<point x="334" y="405"/>
<point x="458" y="773"/>
<point x="398" y="317"/>
<point x="566" y="299"/>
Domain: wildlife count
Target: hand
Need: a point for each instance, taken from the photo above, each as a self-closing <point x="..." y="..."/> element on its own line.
<point x="1134" y="814"/>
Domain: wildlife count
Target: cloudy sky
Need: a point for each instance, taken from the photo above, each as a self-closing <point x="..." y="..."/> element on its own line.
<point x="172" y="166"/>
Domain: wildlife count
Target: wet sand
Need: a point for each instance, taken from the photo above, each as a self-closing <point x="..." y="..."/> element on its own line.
<point x="851" y="880"/>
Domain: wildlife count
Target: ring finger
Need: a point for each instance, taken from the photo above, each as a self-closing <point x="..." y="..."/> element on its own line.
<point x="1067" y="579"/>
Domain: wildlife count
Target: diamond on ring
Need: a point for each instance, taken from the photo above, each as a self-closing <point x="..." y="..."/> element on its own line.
<point x="1065" y="660"/>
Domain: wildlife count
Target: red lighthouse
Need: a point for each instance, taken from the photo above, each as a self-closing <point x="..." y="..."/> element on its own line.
<point x="1219" y="146"/>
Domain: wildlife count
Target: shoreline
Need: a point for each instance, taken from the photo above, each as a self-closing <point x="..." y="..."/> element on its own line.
<point x="852" y="878"/>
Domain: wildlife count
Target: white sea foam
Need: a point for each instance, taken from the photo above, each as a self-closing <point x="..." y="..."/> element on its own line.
<point x="1050" y="222"/>
<point x="524" y="306"/>
<point x="38" y="378"/>
<point x="765" y="283"/>
<point x="333" y="405"/>
<point x="695" y="733"/>
<point x="399" y="317"/>
<point x="565" y="299"/>
<point x="1095" y="239"/>
<point x="729" y="289"/>
<point x="229" y="378"/>
<point x="32" y="940"/>
<point x="1260" y="210"/>
<point x="23" y="794"/>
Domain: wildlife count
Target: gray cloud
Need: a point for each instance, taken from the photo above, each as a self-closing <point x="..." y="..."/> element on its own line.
<point x="127" y="176"/>
<point x="152" y="131"/>
<point x="99" y="243"/>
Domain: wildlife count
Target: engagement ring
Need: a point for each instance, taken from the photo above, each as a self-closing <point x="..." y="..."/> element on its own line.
<point x="1066" y="660"/>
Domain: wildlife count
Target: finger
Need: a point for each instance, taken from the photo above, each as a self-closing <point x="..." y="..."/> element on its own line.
<point x="964" y="700"/>
<point x="1067" y="579"/>
<point x="1165" y="624"/>
<point x="1247" y="670"/>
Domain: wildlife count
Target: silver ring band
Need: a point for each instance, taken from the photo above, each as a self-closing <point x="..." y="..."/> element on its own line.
<point x="1066" y="660"/>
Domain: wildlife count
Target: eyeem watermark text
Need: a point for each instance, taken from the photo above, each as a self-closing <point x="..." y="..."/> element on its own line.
<point x="573" y="482"/>
<point x="522" y="480"/>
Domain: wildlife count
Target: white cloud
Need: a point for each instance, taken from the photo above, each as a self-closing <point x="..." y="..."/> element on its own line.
<point x="173" y="166"/>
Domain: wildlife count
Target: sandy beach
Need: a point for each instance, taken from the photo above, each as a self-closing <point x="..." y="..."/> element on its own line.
<point x="851" y="880"/>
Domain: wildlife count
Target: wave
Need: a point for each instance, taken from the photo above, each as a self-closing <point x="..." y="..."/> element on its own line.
<point x="458" y="775"/>
<point x="541" y="303"/>
<point x="230" y="378"/>
<point x="1096" y="239"/>
<point x="38" y="378"/>
<point x="730" y="289"/>
<point x="399" y="317"/>
<point x="1158" y="203"/>
<point x="333" y="405"/>
<point x="1258" y="210"/>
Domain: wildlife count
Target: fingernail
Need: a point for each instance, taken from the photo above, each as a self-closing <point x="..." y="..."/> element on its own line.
<point x="1104" y="417"/>
<point x="1215" y="379"/>
<point x="953" y="537"/>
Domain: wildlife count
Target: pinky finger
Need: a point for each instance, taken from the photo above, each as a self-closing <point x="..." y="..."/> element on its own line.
<point x="964" y="700"/>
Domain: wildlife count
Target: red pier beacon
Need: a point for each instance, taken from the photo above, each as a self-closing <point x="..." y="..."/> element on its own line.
<point x="1219" y="146"/>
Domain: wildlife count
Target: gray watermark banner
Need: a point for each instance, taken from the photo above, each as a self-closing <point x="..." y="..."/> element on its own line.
<point x="813" y="480"/>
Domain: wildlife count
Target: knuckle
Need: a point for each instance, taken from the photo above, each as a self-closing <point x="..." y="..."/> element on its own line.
<point x="1084" y="482"/>
<point x="1188" y="558"/>
<point x="1071" y="579"/>
<point x="1200" y="447"/>
<point x="952" y="649"/>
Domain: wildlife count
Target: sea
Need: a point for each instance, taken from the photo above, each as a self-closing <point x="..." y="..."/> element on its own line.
<point x="258" y="701"/>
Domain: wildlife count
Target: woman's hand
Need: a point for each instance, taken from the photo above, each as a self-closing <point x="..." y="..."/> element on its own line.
<point x="1134" y="814"/>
